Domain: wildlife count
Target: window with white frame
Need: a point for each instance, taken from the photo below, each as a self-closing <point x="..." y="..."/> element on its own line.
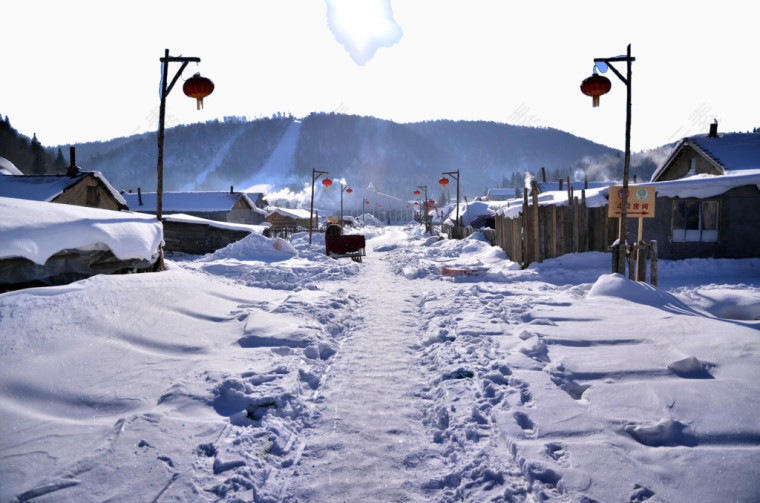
<point x="695" y="221"/>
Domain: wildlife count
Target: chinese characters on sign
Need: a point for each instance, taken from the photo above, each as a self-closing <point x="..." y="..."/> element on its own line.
<point x="640" y="201"/>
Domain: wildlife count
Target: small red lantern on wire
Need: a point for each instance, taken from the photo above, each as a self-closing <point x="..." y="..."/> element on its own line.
<point x="327" y="182"/>
<point x="349" y="190"/>
<point x="366" y="202"/>
<point x="416" y="203"/>
<point x="417" y="193"/>
<point x="443" y="181"/>
<point x="198" y="87"/>
<point x="595" y="86"/>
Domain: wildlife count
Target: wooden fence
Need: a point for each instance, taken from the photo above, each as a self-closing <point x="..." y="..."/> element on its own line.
<point x="543" y="232"/>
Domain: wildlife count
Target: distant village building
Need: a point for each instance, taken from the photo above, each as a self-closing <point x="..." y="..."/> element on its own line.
<point x="291" y="219"/>
<point x="504" y="194"/>
<point x="236" y="207"/>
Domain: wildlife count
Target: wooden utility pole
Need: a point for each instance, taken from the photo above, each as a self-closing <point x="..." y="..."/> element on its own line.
<point x="626" y="164"/>
<point x="165" y="90"/>
<point x="315" y="174"/>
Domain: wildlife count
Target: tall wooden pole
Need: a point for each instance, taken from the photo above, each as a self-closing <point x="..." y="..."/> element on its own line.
<point x="626" y="164"/>
<point x="165" y="90"/>
<point x="314" y="175"/>
<point x="161" y="119"/>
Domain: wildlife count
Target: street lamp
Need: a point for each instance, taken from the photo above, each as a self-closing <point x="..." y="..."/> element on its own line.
<point x="343" y="188"/>
<point x="315" y="174"/>
<point x="424" y="215"/>
<point x="165" y="90"/>
<point x="455" y="176"/>
<point x="620" y="266"/>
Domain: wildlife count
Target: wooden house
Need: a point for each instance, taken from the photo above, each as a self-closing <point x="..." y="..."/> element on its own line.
<point x="291" y="219"/>
<point x="80" y="188"/>
<point x="198" y="236"/>
<point x="707" y="197"/>
<point x="220" y="206"/>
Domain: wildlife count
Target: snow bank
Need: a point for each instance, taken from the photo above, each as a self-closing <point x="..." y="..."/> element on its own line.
<point x="37" y="230"/>
<point x="254" y="247"/>
<point x="618" y="286"/>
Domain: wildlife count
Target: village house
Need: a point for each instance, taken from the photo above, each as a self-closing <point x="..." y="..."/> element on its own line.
<point x="289" y="219"/>
<point x="76" y="187"/>
<point x="236" y="207"/>
<point x="708" y="198"/>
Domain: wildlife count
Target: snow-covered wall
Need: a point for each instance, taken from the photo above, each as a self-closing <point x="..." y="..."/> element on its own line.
<point x="38" y="230"/>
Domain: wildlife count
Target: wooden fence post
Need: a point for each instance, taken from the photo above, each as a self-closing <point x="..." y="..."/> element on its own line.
<point x="576" y="226"/>
<point x="641" y="266"/>
<point x="554" y="253"/>
<point x="536" y="228"/>
<point x="631" y="263"/>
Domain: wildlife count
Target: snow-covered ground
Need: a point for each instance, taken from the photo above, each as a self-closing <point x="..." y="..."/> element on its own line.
<point x="268" y="372"/>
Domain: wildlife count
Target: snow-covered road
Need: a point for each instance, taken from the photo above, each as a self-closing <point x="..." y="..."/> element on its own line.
<point x="368" y="441"/>
<point x="268" y="372"/>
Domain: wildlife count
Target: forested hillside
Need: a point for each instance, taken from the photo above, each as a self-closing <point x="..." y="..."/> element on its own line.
<point x="394" y="157"/>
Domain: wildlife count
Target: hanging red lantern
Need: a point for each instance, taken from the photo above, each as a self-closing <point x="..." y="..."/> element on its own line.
<point x="443" y="181"/>
<point x="198" y="87"/>
<point x="431" y="202"/>
<point x="366" y="202"/>
<point x="417" y="193"/>
<point x="595" y="86"/>
<point x="416" y="203"/>
<point x="327" y="182"/>
<point x="349" y="190"/>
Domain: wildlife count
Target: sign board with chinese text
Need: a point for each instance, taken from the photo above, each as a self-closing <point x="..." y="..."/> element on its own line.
<point x="641" y="201"/>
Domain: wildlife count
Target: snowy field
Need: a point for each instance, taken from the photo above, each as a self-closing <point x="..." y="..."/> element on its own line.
<point x="268" y="372"/>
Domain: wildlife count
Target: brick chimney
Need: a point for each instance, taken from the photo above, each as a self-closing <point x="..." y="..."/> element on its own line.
<point x="73" y="170"/>
<point x="713" y="129"/>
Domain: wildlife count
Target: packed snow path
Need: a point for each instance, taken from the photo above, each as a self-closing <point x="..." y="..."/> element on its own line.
<point x="383" y="409"/>
<point x="369" y="442"/>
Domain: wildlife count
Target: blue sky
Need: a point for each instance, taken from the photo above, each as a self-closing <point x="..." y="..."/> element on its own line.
<point x="89" y="70"/>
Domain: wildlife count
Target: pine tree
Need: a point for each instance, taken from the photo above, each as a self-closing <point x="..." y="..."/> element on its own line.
<point x="60" y="163"/>
<point x="39" y="166"/>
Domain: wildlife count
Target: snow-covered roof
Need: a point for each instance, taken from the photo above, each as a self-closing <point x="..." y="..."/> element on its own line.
<point x="296" y="213"/>
<point x="576" y="186"/>
<point x="183" y="202"/>
<point x="38" y="230"/>
<point x="727" y="151"/>
<point x="190" y="219"/>
<point x="699" y="186"/>
<point x="48" y="187"/>
<point x="8" y="168"/>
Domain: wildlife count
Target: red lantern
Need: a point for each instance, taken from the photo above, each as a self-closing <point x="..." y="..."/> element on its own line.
<point x="417" y="193"/>
<point x="595" y="86"/>
<point x="327" y="182"/>
<point x="431" y="202"/>
<point x="366" y="202"/>
<point x="198" y="87"/>
<point x="443" y="181"/>
<point x="416" y="203"/>
<point x="349" y="190"/>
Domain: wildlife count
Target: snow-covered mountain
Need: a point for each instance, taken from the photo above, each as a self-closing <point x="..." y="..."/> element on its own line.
<point x="281" y="151"/>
